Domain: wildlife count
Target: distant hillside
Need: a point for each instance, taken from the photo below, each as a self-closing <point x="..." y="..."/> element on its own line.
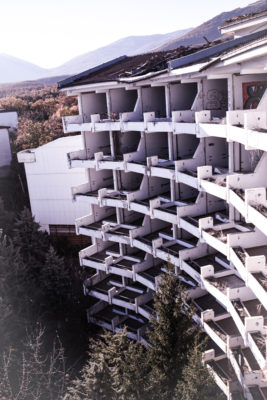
<point x="14" y="69"/>
<point x="129" y="46"/>
<point x="210" y="29"/>
<point x="10" y="89"/>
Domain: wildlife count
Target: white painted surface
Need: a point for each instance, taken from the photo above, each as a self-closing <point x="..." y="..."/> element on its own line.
<point x="50" y="181"/>
<point x="7" y="120"/>
<point x="5" y="151"/>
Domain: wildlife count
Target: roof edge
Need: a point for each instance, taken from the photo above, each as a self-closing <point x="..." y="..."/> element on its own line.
<point x="215" y="50"/>
<point x="242" y="18"/>
<point x="74" y="78"/>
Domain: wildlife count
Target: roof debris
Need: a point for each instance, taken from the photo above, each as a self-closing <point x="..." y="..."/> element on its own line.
<point x="244" y="17"/>
<point x="133" y="66"/>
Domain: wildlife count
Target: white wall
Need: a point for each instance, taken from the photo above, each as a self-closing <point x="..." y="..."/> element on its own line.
<point x="50" y="180"/>
<point x="7" y="120"/>
<point x="5" y="151"/>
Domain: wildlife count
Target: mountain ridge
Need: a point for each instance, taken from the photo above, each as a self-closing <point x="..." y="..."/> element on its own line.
<point x="210" y="28"/>
<point x="13" y="69"/>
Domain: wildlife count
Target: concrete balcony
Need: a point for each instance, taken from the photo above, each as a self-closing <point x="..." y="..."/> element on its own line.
<point x="75" y="123"/>
<point x="256" y="207"/>
<point x="201" y="262"/>
<point x="184" y="122"/>
<point x="125" y="122"/>
<point x="190" y="213"/>
<point x="154" y="124"/>
<point x="149" y="242"/>
<point x="224" y="376"/>
<point x="109" y="230"/>
<point x="188" y="171"/>
<point x="163" y="246"/>
<point x="252" y="324"/>
<point x="221" y="330"/>
<point x="88" y="226"/>
<point x="169" y="250"/>
<point x="150" y="277"/>
<point x="95" y="256"/>
<point x="79" y="159"/>
<point x="135" y="328"/>
<point x="196" y="225"/>
<point x="109" y="197"/>
<point x="233" y="294"/>
<point x="220" y="236"/>
<point x="129" y="265"/>
<point x="105" y="316"/>
<point x="213" y="180"/>
<point x="247" y="193"/>
<point x="161" y="168"/>
<point x="114" y="290"/>
<point x="147" y="310"/>
<point x="103" y="287"/>
<point x="258" y="392"/>
<point x="251" y="264"/>
<point x="248" y="127"/>
<point x="132" y="296"/>
<point x="26" y="156"/>
<point x="165" y="209"/>
<point x="108" y="123"/>
<point x="207" y="303"/>
<point x="246" y="368"/>
<point x="211" y="123"/>
<point x="115" y="318"/>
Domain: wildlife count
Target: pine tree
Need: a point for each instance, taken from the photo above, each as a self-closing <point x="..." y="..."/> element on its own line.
<point x="55" y="279"/>
<point x="16" y="287"/>
<point x="33" y="243"/>
<point x="196" y="382"/>
<point x="171" y="336"/>
<point x="112" y="371"/>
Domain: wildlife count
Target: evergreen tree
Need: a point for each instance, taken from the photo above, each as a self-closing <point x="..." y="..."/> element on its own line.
<point x="197" y="383"/>
<point x="171" y="336"/>
<point x="6" y="220"/>
<point x="120" y="369"/>
<point x="33" y="243"/>
<point x="113" y="371"/>
<point x="55" y="279"/>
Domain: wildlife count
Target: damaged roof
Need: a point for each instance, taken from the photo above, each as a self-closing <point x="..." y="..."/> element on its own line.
<point x="129" y="67"/>
<point x="243" y="18"/>
<point x="123" y="68"/>
<point x="219" y="50"/>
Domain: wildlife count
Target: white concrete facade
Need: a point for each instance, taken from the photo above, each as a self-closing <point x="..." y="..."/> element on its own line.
<point x="50" y="180"/>
<point x="171" y="166"/>
<point x="8" y="125"/>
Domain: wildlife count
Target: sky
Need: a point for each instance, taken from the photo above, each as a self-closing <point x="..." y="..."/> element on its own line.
<point x="51" y="32"/>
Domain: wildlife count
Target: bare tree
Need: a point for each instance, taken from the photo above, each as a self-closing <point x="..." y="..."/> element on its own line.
<point x="34" y="374"/>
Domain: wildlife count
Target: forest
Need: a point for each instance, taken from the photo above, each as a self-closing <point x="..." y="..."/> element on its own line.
<point x="48" y="351"/>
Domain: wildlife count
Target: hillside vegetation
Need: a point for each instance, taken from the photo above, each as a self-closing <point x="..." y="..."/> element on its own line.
<point x="40" y="112"/>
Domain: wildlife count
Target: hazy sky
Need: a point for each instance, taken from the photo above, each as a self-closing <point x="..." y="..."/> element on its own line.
<point x="50" y="32"/>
